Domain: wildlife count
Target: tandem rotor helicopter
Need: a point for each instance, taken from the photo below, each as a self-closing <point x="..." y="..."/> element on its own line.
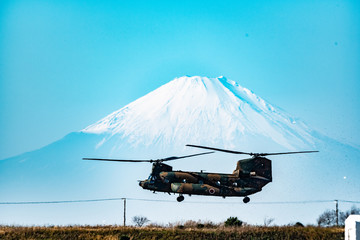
<point x="249" y="177"/>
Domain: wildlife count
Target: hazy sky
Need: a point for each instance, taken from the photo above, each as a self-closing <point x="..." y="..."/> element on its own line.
<point x="66" y="64"/>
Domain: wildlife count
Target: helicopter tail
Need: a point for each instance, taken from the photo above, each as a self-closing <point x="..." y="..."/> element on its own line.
<point x="257" y="167"/>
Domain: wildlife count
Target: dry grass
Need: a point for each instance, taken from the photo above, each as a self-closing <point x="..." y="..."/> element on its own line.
<point x="156" y="232"/>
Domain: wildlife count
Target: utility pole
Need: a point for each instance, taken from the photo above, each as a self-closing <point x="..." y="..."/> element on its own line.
<point x="124" y="211"/>
<point x="337" y="212"/>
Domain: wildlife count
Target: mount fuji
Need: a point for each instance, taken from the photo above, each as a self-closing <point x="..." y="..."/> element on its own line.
<point x="201" y="109"/>
<point x="216" y="112"/>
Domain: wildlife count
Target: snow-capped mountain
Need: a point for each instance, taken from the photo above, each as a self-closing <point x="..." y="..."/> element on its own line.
<point x="206" y="110"/>
<point x="188" y="110"/>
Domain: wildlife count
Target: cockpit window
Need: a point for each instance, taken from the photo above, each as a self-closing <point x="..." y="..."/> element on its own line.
<point x="152" y="178"/>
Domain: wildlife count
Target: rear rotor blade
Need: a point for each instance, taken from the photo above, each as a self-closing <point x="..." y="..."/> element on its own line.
<point x="247" y="153"/>
<point x="280" y="153"/>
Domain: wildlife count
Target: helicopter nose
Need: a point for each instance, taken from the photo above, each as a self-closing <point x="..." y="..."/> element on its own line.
<point x="143" y="184"/>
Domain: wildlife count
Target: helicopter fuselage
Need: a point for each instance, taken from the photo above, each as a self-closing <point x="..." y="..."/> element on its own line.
<point x="249" y="177"/>
<point x="241" y="182"/>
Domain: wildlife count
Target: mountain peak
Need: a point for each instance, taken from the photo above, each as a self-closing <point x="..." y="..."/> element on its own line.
<point x="202" y="110"/>
<point x="197" y="110"/>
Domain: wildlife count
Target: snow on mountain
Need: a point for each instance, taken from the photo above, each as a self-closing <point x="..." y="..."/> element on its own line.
<point x="197" y="110"/>
<point x="202" y="110"/>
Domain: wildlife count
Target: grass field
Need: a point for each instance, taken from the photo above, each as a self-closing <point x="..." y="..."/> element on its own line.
<point x="126" y="233"/>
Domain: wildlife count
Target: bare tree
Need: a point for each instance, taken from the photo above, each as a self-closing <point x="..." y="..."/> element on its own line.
<point x="268" y="221"/>
<point x="140" y="220"/>
<point x="328" y="218"/>
<point x="344" y="215"/>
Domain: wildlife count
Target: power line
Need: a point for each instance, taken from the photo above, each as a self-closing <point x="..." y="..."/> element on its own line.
<point x="349" y="201"/>
<point x="169" y="201"/>
<point x="64" y="201"/>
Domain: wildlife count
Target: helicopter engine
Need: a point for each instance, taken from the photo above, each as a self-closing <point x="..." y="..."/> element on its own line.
<point x="256" y="170"/>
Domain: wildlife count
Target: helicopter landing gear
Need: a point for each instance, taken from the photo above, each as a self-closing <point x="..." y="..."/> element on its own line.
<point x="180" y="198"/>
<point x="246" y="199"/>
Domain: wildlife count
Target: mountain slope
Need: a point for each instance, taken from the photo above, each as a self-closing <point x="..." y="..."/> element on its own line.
<point x="197" y="110"/>
<point x="201" y="109"/>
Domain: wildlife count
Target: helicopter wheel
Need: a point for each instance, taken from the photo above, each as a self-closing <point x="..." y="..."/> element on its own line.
<point x="180" y="198"/>
<point x="246" y="199"/>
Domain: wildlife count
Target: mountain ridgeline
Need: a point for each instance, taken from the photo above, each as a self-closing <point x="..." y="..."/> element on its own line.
<point x="200" y="109"/>
<point x="215" y="112"/>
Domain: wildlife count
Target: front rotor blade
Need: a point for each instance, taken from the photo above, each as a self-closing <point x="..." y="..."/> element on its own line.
<point x="157" y="160"/>
<point x="219" y="149"/>
<point x="175" y="158"/>
<point x="117" y="160"/>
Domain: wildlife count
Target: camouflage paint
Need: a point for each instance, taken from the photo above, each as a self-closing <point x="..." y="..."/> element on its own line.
<point x="248" y="178"/>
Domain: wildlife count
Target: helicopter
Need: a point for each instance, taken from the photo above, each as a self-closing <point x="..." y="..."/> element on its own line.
<point x="249" y="177"/>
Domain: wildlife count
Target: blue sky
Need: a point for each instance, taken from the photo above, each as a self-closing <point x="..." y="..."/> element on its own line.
<point x="66" y="64"/>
